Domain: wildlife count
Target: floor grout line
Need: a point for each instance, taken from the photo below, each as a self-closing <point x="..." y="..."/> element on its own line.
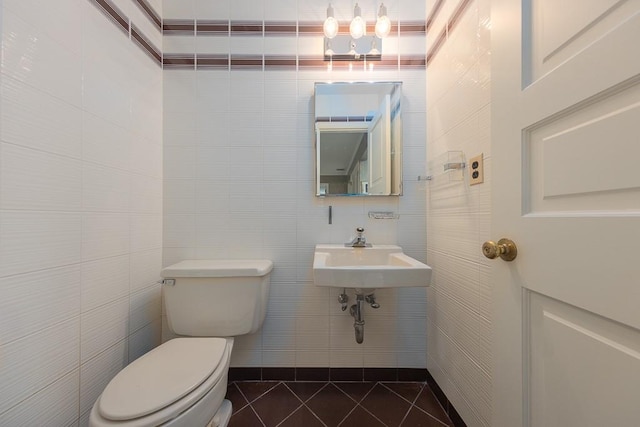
<point x="431" y="415"/>
<point x="310" y="397"/>
<point x="291" y="413"/>
<point x="315" y="415"/>
<point x="234" y="410"/>
<point x="402" y="397"/>
<point x="373" y="415"/>
<point x="251" y="401"/>
<point x="257" y="415"/>
<point x="424" y="387"/>
<point x="412" y="404"/>
<point x="350" y="397"/>
<point x="363" y="408"/>
<point x="296" y="396"/>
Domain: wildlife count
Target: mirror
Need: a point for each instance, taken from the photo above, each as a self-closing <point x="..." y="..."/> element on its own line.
<point x="358" y="129"/>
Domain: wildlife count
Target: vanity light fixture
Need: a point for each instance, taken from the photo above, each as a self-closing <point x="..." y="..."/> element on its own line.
<point x="356" y="45"/>
<point x="345" y="48"/>
<point x="330" y="26"/>
<point x="358" y="27"/>
<point x="383" y="24"/>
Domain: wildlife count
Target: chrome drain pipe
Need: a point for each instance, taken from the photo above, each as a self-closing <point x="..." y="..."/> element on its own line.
<point x="356" y="311"/>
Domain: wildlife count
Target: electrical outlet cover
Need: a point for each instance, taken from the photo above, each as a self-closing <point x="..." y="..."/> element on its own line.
<point x="476" y="170"/>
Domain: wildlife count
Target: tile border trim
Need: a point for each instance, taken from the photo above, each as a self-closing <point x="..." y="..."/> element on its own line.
<point x="178" y="27"/>
<point x="448" y="28"/>
<point x="434" y="13"/>
<point x="454" y="416"/>
<point x="150" y="13"/>
<point x="212" y="27"/>
<point x="115" y="15"/>
<point x="112" y="12"/>
<point x="145" y="44"/>
<point x="274" y="28"/>
<point x="327" y="374"/>
<point x="187" y="61"/>
<point x="243" y="28"/>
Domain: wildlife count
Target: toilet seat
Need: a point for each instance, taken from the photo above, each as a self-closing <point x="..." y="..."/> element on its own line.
<point x="164" y="383"/>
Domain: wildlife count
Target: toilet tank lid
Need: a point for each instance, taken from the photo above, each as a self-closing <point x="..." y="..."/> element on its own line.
<point x="219" y="268"/>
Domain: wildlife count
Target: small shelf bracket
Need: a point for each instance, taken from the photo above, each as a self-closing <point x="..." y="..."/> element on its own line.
<point x="383" y="215"/>
<point x="451" y="163"/>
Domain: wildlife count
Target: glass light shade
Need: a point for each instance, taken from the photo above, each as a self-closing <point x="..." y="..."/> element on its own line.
<point x="328" y="51"/>
<point x="352" y="50"/>
<point x="330" y="27"/>
<point x="383" y="26"/>
<point x="357" y="27"/>
<point x="374" y="48"/>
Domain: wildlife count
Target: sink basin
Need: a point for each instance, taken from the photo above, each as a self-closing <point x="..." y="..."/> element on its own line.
<point x="378" y="266"/>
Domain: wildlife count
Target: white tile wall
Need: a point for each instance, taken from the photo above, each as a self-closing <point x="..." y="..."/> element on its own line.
<point x="103" y="327"/>
<point x="140" y="19"/>
<point x="56" y="405"/>
<point x="239" y="164"/>
<point x="37" y="360"/>
<point x="37" y="300"/>
<point x="144" y="338"/>
<point x="80" y="207"/>
<point x="31" y="241"/>
<point x="31" y="118"/>
<point x="81" y="200"/>
<point x="205" y="9"/>
<point x="459" y="216"/>
<point x="51" y="183"/>
<point x="104" y="281"/>
<point x="97" y="372"/>
<point x="32" y="57"/>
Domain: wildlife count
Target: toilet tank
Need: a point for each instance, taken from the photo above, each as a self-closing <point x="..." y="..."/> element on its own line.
<point x="216" y="298"/>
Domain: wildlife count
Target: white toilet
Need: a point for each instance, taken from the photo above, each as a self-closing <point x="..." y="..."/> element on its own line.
<point x="183" y="381"/>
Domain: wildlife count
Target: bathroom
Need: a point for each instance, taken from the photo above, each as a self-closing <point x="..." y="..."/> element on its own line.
<point x="113" y="167"/>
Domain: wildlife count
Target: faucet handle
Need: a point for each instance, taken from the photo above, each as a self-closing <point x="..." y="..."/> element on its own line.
<point x="360" y="230"/>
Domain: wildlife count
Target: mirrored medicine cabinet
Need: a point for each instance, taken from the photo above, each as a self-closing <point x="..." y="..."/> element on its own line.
<point x="358" y="139"/>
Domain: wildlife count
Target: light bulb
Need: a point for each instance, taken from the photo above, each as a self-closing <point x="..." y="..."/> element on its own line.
<point x="352" y="48"/>
<point x="383" y="24"/>
<point x="357" y="27"/>
<point x="330" y="26"/>
<point x="328" y="50"/>
<point x="374" y="48"/>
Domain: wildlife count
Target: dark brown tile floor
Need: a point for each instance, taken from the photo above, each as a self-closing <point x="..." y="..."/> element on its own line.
<point x="332" y="404"/>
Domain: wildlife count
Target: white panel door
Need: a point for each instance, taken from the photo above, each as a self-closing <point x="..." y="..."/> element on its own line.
<point x="566" y="189"/>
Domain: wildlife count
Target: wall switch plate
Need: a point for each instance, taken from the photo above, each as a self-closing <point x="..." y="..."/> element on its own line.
<point x="476" y="170"/>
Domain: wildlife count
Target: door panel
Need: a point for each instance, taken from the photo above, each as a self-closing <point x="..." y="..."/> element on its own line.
<point x="575" y="161"/>
<point x="559" y="32"/>
<point x="578" y="164"/>
<point x="570" y="385"/>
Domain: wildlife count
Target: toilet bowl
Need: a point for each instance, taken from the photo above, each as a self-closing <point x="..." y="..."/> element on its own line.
<point x="182" y="383"/>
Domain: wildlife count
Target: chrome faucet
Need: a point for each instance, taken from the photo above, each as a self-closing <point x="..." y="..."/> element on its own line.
<point x="359" y="241"/>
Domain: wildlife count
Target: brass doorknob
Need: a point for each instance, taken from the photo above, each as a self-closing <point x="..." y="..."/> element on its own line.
<point x="504" y="249"/>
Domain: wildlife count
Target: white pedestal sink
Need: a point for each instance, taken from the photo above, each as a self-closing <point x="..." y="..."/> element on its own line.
<point x="378" y="266"/>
